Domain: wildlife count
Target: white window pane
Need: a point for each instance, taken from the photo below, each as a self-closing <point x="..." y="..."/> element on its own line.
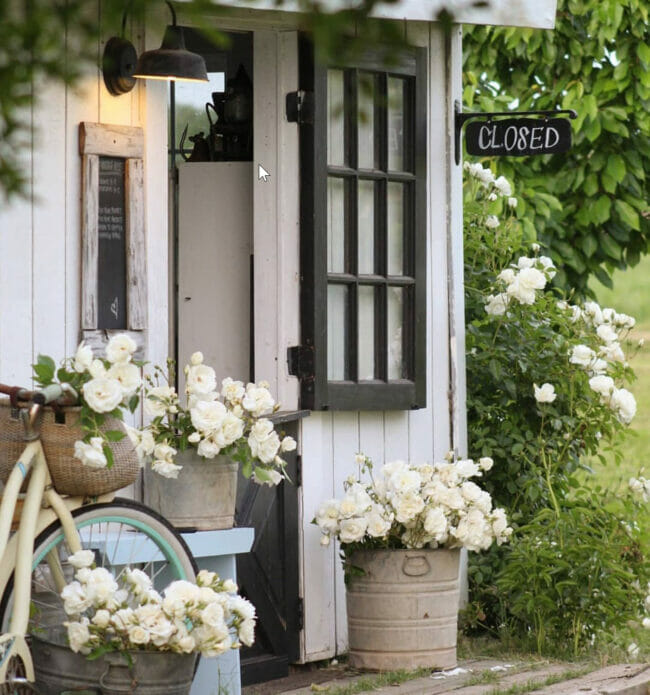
<point x="395" y="228"/>
<point x="366" y="227"/>
<point x="335" y="127"/>
<point x="366" y="121"/>
<point x="395" y="333"/>
<point x="336" y="331"/>
<point x="335" y="225"/>
<point x="366" y="343"/>
<point x="395" y="124"/>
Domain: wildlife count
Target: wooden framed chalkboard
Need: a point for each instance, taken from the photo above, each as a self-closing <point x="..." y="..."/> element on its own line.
<point x="114" y="280"/>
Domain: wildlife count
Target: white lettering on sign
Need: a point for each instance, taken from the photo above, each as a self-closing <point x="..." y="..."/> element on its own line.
<point x="518" y="137"/>
<point x="549" y="133"/>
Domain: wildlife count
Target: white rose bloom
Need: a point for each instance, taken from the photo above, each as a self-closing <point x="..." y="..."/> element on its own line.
<point x="144" y="443"/>
<point x="267" y="449"/>
<point x="606" y="333"/>
<point x="140" y="581"/>
<point x="609" y="315"/>
<point x="78" y="636"/>
<point x="82" y="558"/>
<point x="83" y="358"/>
<point x="378" y="525"/>
<point x="485" y="463"/>
<point x="127" y="375"/>
<point x="194" y="438"/>
<point x="507" y="275"/>
<point x="288" y="444"/>
<point x="473" y="531"/>
<point x="593" y="313"/>
<point x="91" y="455"/>
<point x="232" y="390"/>
<point x="201" y="379"/>
<point x="102" y="618"/>
<point x="466" y="468"/>
<point x="624" y="403"/>
<point x="207" y="416"/>
<point x="261" y="429"/>
<point x="122" y="619"/>
<point x="492" y="197"/>
<point x="164" y="452"/>
<point x="531" y="279"/>
<point x="503" y="186"/>
<point x="523" y="294"/>
<point x="612" y="352"/>
<point x="470" y="491"/>
<point x="576" y="313"/>
<point x="102" y="394"/>
<point x="544" y="393"/>
<point x="327" y="516"/>
<point x="166" y="469"/>
<point x="213" y="615"/>
<point x="208" y="448"/>
<point x="246" y="632"/>
<point x="646" y="623"/>
<point x="535" y="247"/>
<point x="492" y="222"/>
<point x="497" y="304"/>
<point x="120" y="348"/>
<point x="353" y="530"/>
<point x="407" y="506"/>
<point x="101" y="586"/>
<point x="436" y="525"/>
<point x="500" y="526"/>
<point x="232" y="429"/>
<point x="512" y="202"/>
<point x="525" y="262"/>
<point x="138" y="635"/>
<point x="75" y="598"/>
<point x="325" y="540"/>
<point x="598" y="366"/>
<point x="582" y="355"/>
<point x="604" y="385"/>
<point x="484" y="175"/>
<point x="159" y="399"/>
<point x="196" y="358"/>
<point x="97" y="369"/>
<point x="258" y="400"/>
<point x="244" y="608"/>
<point x="405" y="481"/>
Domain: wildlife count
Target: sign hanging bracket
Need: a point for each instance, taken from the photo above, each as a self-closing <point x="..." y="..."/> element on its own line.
<point x="460" y="118"/>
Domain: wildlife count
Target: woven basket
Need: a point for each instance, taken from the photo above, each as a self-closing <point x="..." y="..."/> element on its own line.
<point x="69" y="475"/>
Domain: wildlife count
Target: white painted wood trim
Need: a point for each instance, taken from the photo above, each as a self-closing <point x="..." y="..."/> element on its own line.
<point x="111" y="140"/>
<point x="136" y="252"/>
<point x="89" y="239"/>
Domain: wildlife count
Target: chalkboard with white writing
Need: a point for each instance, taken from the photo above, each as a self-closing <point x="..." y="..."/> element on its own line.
<point x="518" y="137"/>
<point x="111" y="244"/>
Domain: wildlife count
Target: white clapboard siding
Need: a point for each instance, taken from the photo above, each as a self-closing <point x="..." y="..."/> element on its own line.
<point x="421" y="435"/>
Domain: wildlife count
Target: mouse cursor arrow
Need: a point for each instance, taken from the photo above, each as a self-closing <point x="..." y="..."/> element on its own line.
<point x="262" y="173"/>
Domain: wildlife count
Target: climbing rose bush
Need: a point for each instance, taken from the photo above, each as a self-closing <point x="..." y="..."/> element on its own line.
<point x="414" y="506"/>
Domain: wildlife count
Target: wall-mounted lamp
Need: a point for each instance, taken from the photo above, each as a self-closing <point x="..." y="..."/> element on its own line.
<point x="172" y="61"/>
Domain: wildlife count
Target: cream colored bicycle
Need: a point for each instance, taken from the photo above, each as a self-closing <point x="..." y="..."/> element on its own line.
<point x="34" y="565"/>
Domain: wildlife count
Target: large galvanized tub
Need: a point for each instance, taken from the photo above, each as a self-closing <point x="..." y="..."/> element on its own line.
<point x="58" y="669"/>
<point x="202" y="497"/>
<point x="403" y="611"/>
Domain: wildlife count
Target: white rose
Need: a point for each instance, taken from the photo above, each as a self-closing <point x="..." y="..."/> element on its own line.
<point x="159" y="399"/>
<point x="378" y="525"/>
<point x="75" y="598"/>
<point x="91" y="455"/>
<point x="196" y="358"/>
<point x="327" y="516"/>
<point x="140" y="581"/>
<point x="207" y="416"/>
<point x="127" y="375"/>
<point x="194" y="438"/>
<point x="485" y="463"/>
<point x="598" y="366"/>
<point x="523" y="294"/>
<point x="593" y="313"/>
<point x="582" y="355"/>
<point x="201" y="379"/>
<point x="164" y="452"/>
<point x="258" y="400"/>
<point x="82" y="558"/>
<point x="407" y="506"/>
<point x="624" y="403"/>
<point x="506" y="276"/>
<point x="232" y="390"/>
<point x="166" y="469"/>
<point x="266" y="449"/>
<point x="473" y="531"/>
<point x="512" y="202"/>
<point x="525" y="262"/>
<point x="288" y="444"/>
<point x="612" y="352"/>
<point x="208" y="448"/>
<point x="491" y="221"/>
<point x="246" y="632"/>
<point x="102" y="394"/>
<point x="244" y="608"/>
<point x="102" y="618"/>
<point x="138" y="635"/>
<point x="535" y="247"/>
<point x="466" y="468"/>
<point x="405" y="481"/>
<point x="497" y="304"/>
<point x="503" y="186"/>
<point x="604" y="385"/>
<point x="606" y="333"/>
<point x="122" y="619"/>
<point x="143" y="442"/>
<point x="97" y="369"/>
<point x="436" y="525"/>
<point x="83" y="357"/>
<point x="353" y="530"/>
<point x="213" y="615"/>
<point x="78" y="636"/>
<point x="232" y="429"/>
<point x="531" y="279"/>
<point x="544" y="393"/>
<point x="646" y="623"/>
<point x="120" y="348"/>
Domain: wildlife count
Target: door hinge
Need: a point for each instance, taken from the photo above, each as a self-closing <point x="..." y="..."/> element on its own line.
<point x="300" y="614"/>
<point x="300" y="361"/>
<point x="300" y="107"/>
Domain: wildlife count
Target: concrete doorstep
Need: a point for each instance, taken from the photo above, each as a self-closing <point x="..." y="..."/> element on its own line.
<point x="472" y="677"/>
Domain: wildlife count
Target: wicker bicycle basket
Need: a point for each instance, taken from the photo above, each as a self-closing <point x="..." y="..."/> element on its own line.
<point x="69" y="475"/>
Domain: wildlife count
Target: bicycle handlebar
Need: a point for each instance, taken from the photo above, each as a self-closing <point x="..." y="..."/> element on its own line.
<point x="48" y="394"/>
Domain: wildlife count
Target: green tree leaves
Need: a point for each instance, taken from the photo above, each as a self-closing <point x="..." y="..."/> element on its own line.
<point x="596" y="61"/>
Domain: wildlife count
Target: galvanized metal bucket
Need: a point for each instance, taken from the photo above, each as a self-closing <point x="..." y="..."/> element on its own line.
<point x="403" y="612"/>
<point x="202" y="497"/>
<point x="59" y="669"/>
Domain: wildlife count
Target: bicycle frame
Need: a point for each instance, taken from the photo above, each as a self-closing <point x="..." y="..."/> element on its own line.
<point x="16" y="551"/>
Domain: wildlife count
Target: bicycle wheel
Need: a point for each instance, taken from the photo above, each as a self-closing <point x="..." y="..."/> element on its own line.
<point x="16" y="683"/>
<point x="121" y="533"/>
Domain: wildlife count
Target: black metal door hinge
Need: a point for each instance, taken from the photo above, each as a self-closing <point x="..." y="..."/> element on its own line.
<point x="300" y="614"/>
<point x="300" y="107"/>
<point x="300" y="361"/>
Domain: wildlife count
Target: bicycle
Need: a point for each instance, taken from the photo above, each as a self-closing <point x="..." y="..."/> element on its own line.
<point x="33" y="560"/>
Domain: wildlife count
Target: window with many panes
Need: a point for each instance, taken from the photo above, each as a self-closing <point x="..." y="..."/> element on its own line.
<point x="363" y="237"/>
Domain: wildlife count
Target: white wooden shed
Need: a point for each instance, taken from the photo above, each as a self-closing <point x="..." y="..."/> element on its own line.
<point x="225" y="257"/>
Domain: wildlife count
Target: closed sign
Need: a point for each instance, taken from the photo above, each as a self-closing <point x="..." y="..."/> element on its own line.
<point x="518" y="137"/>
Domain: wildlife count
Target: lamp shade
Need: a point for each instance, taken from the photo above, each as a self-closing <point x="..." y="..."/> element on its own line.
<point x="172" y="61"/>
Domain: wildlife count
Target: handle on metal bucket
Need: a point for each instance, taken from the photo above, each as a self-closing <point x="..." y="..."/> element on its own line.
<point x="415" y="565"/>
<point x="109" y="688"/>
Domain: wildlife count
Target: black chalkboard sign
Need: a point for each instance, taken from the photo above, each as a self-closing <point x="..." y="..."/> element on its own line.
<point x="518" y="137"/>
<point x="111" y="245"/>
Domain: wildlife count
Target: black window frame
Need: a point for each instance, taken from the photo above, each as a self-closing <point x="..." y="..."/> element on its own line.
<point x="317" y="392"/>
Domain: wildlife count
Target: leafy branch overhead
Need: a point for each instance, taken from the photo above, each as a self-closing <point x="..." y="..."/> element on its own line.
<point x="588" y="207"/>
